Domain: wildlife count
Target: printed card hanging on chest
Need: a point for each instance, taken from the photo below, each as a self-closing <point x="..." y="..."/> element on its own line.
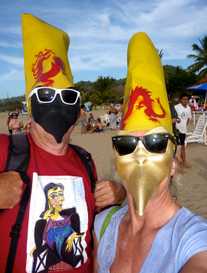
<point x="58" y="221"/>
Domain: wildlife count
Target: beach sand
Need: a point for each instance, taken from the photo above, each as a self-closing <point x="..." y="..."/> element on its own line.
<point x="190" y="187"/>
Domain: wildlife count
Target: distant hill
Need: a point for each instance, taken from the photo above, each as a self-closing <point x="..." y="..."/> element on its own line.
<point x="11" y="104"/>
<point x="107" y="90"/>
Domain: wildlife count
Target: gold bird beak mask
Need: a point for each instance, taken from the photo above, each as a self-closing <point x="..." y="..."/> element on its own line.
<point x="143" y="162"/>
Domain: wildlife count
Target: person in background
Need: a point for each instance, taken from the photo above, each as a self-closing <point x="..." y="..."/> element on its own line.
<point x="98" y="126"/>
<point x="193" y="103"/>
<point x="83" y="119"/>
<point x="184" y="114"/>
<point x="113" y="118"/>
<point x="91" y="118"/>
<point x="91" y="123"/>
<point x="15" y="126"/>
<point x="151" y="233"/>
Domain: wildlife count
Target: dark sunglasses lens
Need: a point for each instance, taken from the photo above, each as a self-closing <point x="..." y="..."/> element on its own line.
<point x="125" y="144"/>
<point x="156" y="143"/>
<point x="69" y="96"/>
<point x="45" y="94"/>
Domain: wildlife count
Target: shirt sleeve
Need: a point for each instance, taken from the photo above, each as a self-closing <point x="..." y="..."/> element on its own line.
<point x="193" y="241"/>
<point x="176" y="107"/>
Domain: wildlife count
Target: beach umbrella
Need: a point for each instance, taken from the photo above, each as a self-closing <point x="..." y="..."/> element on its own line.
<point x="200" y="87"/>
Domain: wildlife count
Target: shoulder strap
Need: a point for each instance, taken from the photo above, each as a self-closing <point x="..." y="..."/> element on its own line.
<point x="18" y="153"/>
<point x="88" y="163"/>
<point x="107" y="220"/>
<point x="18" y="160"/>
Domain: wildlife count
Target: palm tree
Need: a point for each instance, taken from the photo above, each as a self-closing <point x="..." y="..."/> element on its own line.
<point x="161" y="53"/>
<point x="200" y="57"/>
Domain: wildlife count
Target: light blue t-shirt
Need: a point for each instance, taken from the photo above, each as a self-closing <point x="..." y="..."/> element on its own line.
<point x="175" y="243"/>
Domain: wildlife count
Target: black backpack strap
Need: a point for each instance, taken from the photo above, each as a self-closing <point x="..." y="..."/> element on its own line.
<point x="88" y="163"/>
<point x="18" y="154"/>
<point x="18" y="160"/>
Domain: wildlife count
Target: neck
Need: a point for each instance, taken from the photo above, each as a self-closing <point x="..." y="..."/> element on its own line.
<point x="159" y="210"/>
<point x="184" y="105"/>
<point x="47" y="142"/>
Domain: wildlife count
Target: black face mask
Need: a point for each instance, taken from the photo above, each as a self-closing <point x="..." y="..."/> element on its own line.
<point x="56" y="117"/>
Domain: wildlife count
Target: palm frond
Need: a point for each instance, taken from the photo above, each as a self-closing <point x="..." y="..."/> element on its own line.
<point x="199" y="56"/>
<point x="197" y="48"/>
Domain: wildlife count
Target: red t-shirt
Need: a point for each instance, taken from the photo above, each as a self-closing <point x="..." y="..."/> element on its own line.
<point x="46" y="164"/>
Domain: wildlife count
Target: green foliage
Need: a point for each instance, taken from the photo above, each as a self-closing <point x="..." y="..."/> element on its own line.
<point x="104" y="90"/>
<point x="178" y="79"/>
<point x="103" y="87"/>
<point x="11" y="104"/>
<point x="160" y="52"/>
<point x="103" y="83"/>
<point x="199" y="57"/>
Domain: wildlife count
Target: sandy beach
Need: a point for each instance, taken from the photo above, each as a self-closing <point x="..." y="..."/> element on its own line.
<point x="190" y="187"/>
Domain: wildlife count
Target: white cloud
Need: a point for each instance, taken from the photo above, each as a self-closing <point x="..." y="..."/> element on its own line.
<point x="5" y="44"/>
<point x="12" y="83"/>
<point x="101" y="34"/>
<point x="11" y="75"/>
<point x="169" y="22"/>
<point x="102" y="38"/>
<point x="11" y="59"/>
<point x="100" y="30"/>
<point x="11" y="30"/>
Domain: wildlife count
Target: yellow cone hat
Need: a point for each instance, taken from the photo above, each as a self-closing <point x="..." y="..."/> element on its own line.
<point x="45" y="55"/>
<point x="145" y="98"/>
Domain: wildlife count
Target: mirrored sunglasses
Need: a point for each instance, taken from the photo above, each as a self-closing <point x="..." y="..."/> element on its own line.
<point x="68" y="96"/>
<point x="154" y="143"/>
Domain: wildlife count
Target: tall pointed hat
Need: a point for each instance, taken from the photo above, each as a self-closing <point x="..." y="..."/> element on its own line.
<point x="145" y="98"/>
<point x="45" y="55"/>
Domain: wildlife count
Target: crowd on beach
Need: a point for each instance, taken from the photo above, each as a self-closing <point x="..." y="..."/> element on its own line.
<point x="196" y="104"/>
<point x="87" y="120"/>
<point x="110" y="120"/>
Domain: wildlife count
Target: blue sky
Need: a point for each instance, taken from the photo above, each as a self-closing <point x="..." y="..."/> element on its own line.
<point x="99" y="32"/>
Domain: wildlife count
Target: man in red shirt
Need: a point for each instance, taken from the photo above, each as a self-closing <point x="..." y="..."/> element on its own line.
<point x="56" y="231"/>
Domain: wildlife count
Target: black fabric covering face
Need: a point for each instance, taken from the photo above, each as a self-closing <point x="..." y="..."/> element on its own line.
<point x="56" y="117"/>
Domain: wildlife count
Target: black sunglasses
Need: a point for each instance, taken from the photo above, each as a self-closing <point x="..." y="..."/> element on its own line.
<point x="154" y="143"/>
